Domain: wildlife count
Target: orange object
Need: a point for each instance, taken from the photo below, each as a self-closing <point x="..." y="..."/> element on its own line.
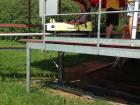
<point x="96" y="2"/>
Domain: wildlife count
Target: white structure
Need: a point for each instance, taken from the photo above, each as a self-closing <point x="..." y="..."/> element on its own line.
<point x="51" y="7"/>
<point x="129" y="48"/>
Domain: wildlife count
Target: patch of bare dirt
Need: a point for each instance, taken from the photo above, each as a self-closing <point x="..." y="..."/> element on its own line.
<point x="83" y="67"/>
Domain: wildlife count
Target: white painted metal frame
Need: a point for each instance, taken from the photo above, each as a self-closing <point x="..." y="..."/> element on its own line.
<point x="24" y="34"/>
<point x="28" y="68"/>
<point x="79" y="47"/>
<point x="51" y="7"/>
<point x="135" y="19"/>
<point x="105" y="41"/>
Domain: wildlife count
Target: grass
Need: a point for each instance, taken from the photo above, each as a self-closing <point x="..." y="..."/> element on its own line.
<point x="12" y="64"/>
<point x="13" y="93"/>
<point x="10" y="43"/>
<point x="14" y="61"/>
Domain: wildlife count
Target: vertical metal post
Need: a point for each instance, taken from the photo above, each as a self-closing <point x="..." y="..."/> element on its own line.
<point x="29" y="15"/>
<point x="59" y="9"/>
<point x="43" y="22"/>
<point x="99" y="25"/>
<point x="28" y="68"/>
<point x="59" y="4"/>
<point x="135" y="19"/>
<point x="61" y="69"/>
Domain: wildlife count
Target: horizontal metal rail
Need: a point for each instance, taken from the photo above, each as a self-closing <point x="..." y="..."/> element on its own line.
<point x="23" y="34"/>
<point x="56" y="34"/>
<point x="119" y="50"/>
<point x="125" y="46"/>
<point x="102" y="12"/>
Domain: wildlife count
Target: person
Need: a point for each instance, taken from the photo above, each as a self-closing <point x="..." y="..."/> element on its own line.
<point x="130" y="6"/>
<point x="85" y="6"/>
<point x="112" y="19"/>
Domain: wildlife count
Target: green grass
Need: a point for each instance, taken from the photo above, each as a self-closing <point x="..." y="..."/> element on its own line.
<point x="10" y="43"/>
<point x="13" y="63"/>
<point x="13" y="93"/>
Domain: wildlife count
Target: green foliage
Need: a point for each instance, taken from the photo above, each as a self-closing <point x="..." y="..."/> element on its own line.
<point x="69" y="6"/>
<point x="16" y="11"/>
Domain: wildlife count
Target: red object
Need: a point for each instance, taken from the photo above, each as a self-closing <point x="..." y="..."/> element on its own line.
<point x="122" y="3"/>
<point x="93" y="2"/>
<point x="96" y="2"/>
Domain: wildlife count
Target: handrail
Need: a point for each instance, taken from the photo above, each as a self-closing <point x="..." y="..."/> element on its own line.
<point x="101" y="12"/>
<point x="23" y="34"/>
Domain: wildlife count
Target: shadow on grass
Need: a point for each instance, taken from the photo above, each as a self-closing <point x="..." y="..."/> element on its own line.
<point x="69" y="60"/>
<point x="46" y="68"/>
<point x="20" y="76"/>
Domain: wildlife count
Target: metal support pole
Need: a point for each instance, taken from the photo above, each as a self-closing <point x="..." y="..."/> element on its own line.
<point x="135" y="19"/>
<point x="28" y="68"/>
<point x="43" y="23"/>
<point x="61" y="69"/>
<point x="99" y="25"/>
<point x="59" y="3"/>
<point x="29" y="15"/>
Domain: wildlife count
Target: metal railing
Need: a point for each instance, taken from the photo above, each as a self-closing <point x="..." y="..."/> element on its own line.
<point x="99" y="13"/>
